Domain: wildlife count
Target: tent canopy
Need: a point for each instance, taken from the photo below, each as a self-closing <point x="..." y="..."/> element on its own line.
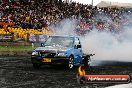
<point x="114" y="4"/>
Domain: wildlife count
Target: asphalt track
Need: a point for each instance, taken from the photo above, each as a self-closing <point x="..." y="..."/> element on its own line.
<point x="17" y="72"/>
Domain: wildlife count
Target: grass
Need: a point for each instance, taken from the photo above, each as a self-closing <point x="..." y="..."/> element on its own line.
<point x="16" y="48"/>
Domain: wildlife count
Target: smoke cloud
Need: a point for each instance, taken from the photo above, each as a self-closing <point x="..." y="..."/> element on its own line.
<point x="109" y="47"/>
<point x="105" y="45"/>
<point x="65" y="27"/>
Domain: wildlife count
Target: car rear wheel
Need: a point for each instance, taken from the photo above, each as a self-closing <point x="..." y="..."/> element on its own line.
<point x="86" y="61"/>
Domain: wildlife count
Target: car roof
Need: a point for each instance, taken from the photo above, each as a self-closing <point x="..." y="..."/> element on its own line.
<point x="61" y="36"/>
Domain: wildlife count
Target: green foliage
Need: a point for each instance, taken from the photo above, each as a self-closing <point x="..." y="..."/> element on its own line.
<point x="16" y="48"/>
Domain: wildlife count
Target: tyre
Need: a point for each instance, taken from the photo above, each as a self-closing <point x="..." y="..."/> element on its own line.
<point x="70" y="63"/>
<point x="36" y="65"/>
<point x="86" y="61"/>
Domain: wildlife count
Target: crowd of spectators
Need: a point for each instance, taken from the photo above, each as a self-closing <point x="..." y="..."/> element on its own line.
<point x="39" y="14"/>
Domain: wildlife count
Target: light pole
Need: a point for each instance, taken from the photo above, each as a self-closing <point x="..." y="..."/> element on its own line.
<point x="92" y="3"/>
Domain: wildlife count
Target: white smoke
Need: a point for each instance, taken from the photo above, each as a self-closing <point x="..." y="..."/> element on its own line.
<point x="66" y="27"/>
<point x="108" y="46"/>
<point x="105" y="45"/>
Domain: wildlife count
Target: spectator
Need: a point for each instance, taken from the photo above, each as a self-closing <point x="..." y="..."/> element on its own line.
<point x="41" y="13"/>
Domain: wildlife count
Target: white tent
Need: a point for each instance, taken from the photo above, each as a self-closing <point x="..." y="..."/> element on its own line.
<point x="114" y="4"/>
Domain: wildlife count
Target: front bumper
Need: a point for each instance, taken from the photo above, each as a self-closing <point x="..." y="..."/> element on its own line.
<point x="54" y="60"/>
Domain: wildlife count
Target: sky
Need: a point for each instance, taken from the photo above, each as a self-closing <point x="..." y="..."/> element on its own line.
<point x="95" y="2"/>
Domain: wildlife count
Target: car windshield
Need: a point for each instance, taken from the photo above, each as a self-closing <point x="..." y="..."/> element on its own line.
<point x="58" y="41"/>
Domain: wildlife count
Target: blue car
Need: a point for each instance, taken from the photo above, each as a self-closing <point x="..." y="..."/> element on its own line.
<point x="60" y="50"/>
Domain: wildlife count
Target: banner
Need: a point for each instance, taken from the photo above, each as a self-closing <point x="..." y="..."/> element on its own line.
<point x="37" y="38"/>
<point x="6" y="37"/>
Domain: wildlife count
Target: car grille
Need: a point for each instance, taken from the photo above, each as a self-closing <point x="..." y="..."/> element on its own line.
<point x="47" y="54"/>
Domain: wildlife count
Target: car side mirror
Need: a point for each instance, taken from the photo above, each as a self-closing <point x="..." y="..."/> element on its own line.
<point x="78" y="46"/>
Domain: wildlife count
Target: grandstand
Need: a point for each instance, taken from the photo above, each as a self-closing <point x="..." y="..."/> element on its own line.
<point x="24" y="17"/>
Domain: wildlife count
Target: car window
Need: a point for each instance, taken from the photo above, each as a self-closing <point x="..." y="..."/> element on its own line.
<point x="77" y="42"/>
<point x="59" y="41"/>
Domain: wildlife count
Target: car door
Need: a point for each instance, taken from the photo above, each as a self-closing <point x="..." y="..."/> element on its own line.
<point x="77" y="51"/>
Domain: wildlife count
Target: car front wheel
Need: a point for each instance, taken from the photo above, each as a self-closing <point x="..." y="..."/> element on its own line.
<point x="70" y="62"/>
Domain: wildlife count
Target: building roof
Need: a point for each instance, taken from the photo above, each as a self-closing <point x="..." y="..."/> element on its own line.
<point x="114" y="4"/>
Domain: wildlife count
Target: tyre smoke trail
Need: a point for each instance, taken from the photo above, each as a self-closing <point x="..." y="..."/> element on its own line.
<point x="106" y="45"/>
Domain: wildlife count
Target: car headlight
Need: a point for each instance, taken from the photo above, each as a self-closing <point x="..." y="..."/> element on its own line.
<point x="34" y="53"/>
<point x="61" y="54"/>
